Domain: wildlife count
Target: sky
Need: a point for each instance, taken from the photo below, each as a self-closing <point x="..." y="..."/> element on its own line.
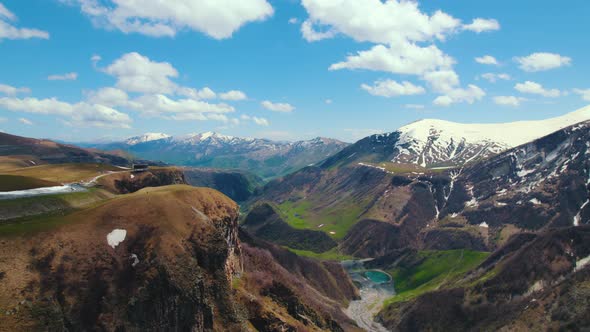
<point x="100" y="70"/>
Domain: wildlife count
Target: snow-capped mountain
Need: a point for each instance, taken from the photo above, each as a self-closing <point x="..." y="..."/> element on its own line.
<point x="147" y="137"/>
<point x="432" y="143"/>
<point x="263" y="157"/>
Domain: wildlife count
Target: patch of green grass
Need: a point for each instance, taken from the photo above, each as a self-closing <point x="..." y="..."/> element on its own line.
<point x="437" y="269"/>
<point x="330" y="255"/>
<point x="336" y="220"/>
<point x="62" y="204"/>
<point x="17" y="182"/>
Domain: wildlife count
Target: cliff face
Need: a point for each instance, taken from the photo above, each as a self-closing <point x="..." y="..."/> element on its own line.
<point x="161" y="258"/>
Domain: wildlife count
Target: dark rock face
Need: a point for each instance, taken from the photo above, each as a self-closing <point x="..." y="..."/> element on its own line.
<point x="156" y="178"/>
<point x="308" y="291"/>
<point x="450" y="238"/>
<point x="266" y="223"/>
<point x="537" y="282"/>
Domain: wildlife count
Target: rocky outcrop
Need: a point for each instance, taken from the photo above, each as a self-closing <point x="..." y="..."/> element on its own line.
<point x="130" y="182"/>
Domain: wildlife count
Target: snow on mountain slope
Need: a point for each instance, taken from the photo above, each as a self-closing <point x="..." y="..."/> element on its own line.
<point x="148" y="137"/>
<point x="437" y="142"/>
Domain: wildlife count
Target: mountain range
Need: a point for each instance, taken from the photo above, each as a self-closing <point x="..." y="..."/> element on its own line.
<point x="475" y="227"/>
<point x="262" y="157"/>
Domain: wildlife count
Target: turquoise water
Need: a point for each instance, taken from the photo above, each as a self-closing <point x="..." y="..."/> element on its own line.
<point x="377" y="277"/>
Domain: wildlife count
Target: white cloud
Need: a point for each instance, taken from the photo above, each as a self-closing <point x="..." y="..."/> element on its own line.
<point x="414" y="106"/>
<point x="260" y="121"/>
<point x="442" y="81"/>
<point x="406" y="58"/>
<point x="218" y="19"/>
<point x="11" y="91"/>
<point x="108" y="96"/>
<point x="64" y="77"/>
<point x="328" y="101"/>
<point x="403" y="38"/>
<point x="310" y="33"/>
<point x="181" y="109"/>
<point x="293" y="20"/>
<point x="9" y="31"/>
<point x="584" y="93"/>
<point x="79" y="114"/>
<point x="508" y="100"/>
<point x="537" y="89"/>
<point x="481" y="24"/>
<point x="487" y="60"/>
<point x="204" y="93"/>
<point x="277" y="107"/>
<point x="390" y="88"/>
<point x="25" y="121"/>
<point x="137" y="73"/>
<point x="469" y="95"/>
<point x="6" y="14"/>
<point x="233" y="95"/>
<point x="493" y="78"/>
<point x="380" y="22"/>
<point x="542" y="61"/>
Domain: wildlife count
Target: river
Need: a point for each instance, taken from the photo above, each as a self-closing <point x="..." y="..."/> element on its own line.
<point x="375" y="287"/>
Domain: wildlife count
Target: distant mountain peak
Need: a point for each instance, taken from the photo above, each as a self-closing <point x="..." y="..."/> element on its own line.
<point x="147" y="137"/>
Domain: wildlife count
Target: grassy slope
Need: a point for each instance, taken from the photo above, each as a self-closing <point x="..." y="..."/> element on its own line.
<point x="63" y="173"/>
<point x="438" y="269"/>
<point x="338" y="219"/>
<point x="40" y="220"/>
<point x="330" y="255"/>
<point x="17" y="182"/>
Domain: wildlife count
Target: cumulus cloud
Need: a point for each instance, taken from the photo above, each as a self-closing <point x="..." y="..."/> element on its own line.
<point x="137" y="73"/>
<point x="537" y="89"/>
<point x="63" y="77"/>
<point x="390" y="88"/>
<point x="442" y="80"/>
<point x="542" y="61"/>
<point x="293" y="20"/>
<point x="584" y="93"/>
<point x="277" y="107"/>
<point x="9" y="31"/>
<point x="403" y="38"/>
<point x="480" y="25"/>
<point x="468" y="95"/>
<point x="406" y="58"/>
<point x="108" y="96"/>
<point x="25" y="121"/>
<point x="487" y="60"/>
<point x="233" y="95"/>
<point x="508" y="100"/>
<point x="217" y="19"/>
<point x="493" y="78"/>
<point x="311" y="34"/>
<point x="11" y="91"/>
<point x="260" y="121"/>
<point x="80" y="114"/>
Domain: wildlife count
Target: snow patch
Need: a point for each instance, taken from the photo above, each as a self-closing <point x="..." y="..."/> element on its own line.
<point x="535" y="201"/>
<point x="484" y="225"/>
<point x="135" y="259"/>
<point x="115" y="237"/>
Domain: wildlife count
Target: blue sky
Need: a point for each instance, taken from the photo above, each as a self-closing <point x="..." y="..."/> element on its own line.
<point x="294" y="66"/>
